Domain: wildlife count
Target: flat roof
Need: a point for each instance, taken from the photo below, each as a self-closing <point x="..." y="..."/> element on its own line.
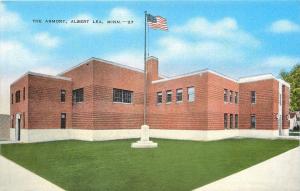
<point x="262" y="77"/>
<point x="199" y="72"/>
<point x="103" y="61"/>
<point x="165" y="78"/>
<point x="240" y="80"/>
<point x="42" y="75"/>
<point x="111" y="63"/>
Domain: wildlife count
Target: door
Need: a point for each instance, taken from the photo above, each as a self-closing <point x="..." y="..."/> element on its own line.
<point x="280" y="125"/>
<point x="18" y="127"/>
<point x="63" y="119"/>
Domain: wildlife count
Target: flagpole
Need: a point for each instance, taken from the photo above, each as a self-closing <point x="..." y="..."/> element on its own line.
<point x="145" y="68"/>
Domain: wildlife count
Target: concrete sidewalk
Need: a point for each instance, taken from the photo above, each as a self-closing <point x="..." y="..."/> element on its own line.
<point x="276" y="174"/>
<point x="16" y="178"/>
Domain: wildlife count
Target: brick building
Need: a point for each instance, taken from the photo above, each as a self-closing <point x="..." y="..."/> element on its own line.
<point x="102" y="100"/>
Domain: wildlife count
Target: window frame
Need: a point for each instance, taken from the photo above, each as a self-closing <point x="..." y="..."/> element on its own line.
<point x="169" y="94"/>
<point x="236" y="97"/>
<point x="122" y="96"/>
<point x="180" y="92"/>
<point x="225" y="95"/>
<point x="63" y="93"/>
<point x="236" y="121"/>
<point x="18" y="96"/>
<point x="127" y="96"/>
<point x="231" y="96"/>
<point x="253" y="97"/>
<point x="231" y="121"/>
<point x="159" y="97"/>
<point x="225" y="120"/>
<point x="76" y="97"/>
<point x="191" y="95"/>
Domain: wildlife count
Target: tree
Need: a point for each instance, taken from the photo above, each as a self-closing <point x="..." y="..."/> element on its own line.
<point x="293" y="77"/>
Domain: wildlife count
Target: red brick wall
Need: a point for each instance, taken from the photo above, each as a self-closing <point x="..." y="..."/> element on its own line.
<point x="22" y="106"/>
<point x="106" y="113"/>
<point x="45" y="106"/>
<point x="285" y="107"/>
<point x="265" y="107"/>
<point x="42" y="106"/>
<point x="98" y="111"/>
<point x="215" y="99"/>
<point x="82" y="112"/>
<point x="183" y="115"/>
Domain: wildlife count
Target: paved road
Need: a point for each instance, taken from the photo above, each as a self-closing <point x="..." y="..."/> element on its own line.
<point x="16" y="178"/>
<point x="281" y="173"/>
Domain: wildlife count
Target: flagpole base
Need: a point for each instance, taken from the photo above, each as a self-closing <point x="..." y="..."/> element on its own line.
<point x="144" y="142"/>
<point x="144" y="145"/>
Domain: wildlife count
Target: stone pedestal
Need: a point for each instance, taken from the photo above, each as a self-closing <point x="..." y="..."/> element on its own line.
<point x="144" y="142"/>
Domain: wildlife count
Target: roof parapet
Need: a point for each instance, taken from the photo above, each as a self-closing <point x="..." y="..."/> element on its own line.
<point x="42" y="75"/>
<point x="262" y="77"/>
<point x="199" y="72"/>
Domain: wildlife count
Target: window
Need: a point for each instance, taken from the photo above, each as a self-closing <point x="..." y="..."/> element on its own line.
<point x="253" y="121"/>
<point x="117" y="95"/>
<point x="231" y="121"/>
<point x="18" y="96"/>
<point x="253" y="97"/>
<point x="236" y="121"/>
<point x="159" y="97"/>
<point x="78" y="95"/>
<point x="225" y="120"/>
<point x="12" y="98"/>
<point x="24" y="93"/>
<point x="225" y="95"/>
<point x="236" y="97"/>
<point x="231" y="96"/>
<point x="63" y="120"/>
<point x="179" y="95"/>
<point x="191" y="94"/>
<point x="122" y="96"/>
<point x="62" y="95"/>
<point x="169" y="96"/>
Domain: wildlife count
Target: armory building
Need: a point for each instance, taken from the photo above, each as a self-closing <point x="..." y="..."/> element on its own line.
<point x="102" y="100"/>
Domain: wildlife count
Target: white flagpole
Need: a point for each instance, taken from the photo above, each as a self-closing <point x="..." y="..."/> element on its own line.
<point x="145" y="72"/>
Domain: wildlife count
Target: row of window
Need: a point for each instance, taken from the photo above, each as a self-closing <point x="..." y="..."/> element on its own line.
<point x="236" y="120"/>
<point x="17" y="96"/>
<point x="231" y="94"/>
<point x="179" y="95"/>
<point x="236" y="95"/>
<point x="122" y="96"/>
<point x="126" y="96"/>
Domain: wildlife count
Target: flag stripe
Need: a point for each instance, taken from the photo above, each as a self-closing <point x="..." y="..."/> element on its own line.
<point x="157" y="22"/>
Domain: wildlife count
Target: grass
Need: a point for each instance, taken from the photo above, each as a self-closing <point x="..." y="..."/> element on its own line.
<point x="113" y="165"/>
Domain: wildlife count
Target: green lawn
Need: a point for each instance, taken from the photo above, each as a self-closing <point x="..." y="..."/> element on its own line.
<point x="113" y="165"/>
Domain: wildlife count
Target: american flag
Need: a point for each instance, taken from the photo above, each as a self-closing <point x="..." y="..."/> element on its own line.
<point x="157" y="22"/>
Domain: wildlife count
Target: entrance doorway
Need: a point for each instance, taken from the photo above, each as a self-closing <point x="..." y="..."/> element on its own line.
<point x="63" y="120"/>
<point x="280" y="125"/>
<point x="18" y="127"/>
